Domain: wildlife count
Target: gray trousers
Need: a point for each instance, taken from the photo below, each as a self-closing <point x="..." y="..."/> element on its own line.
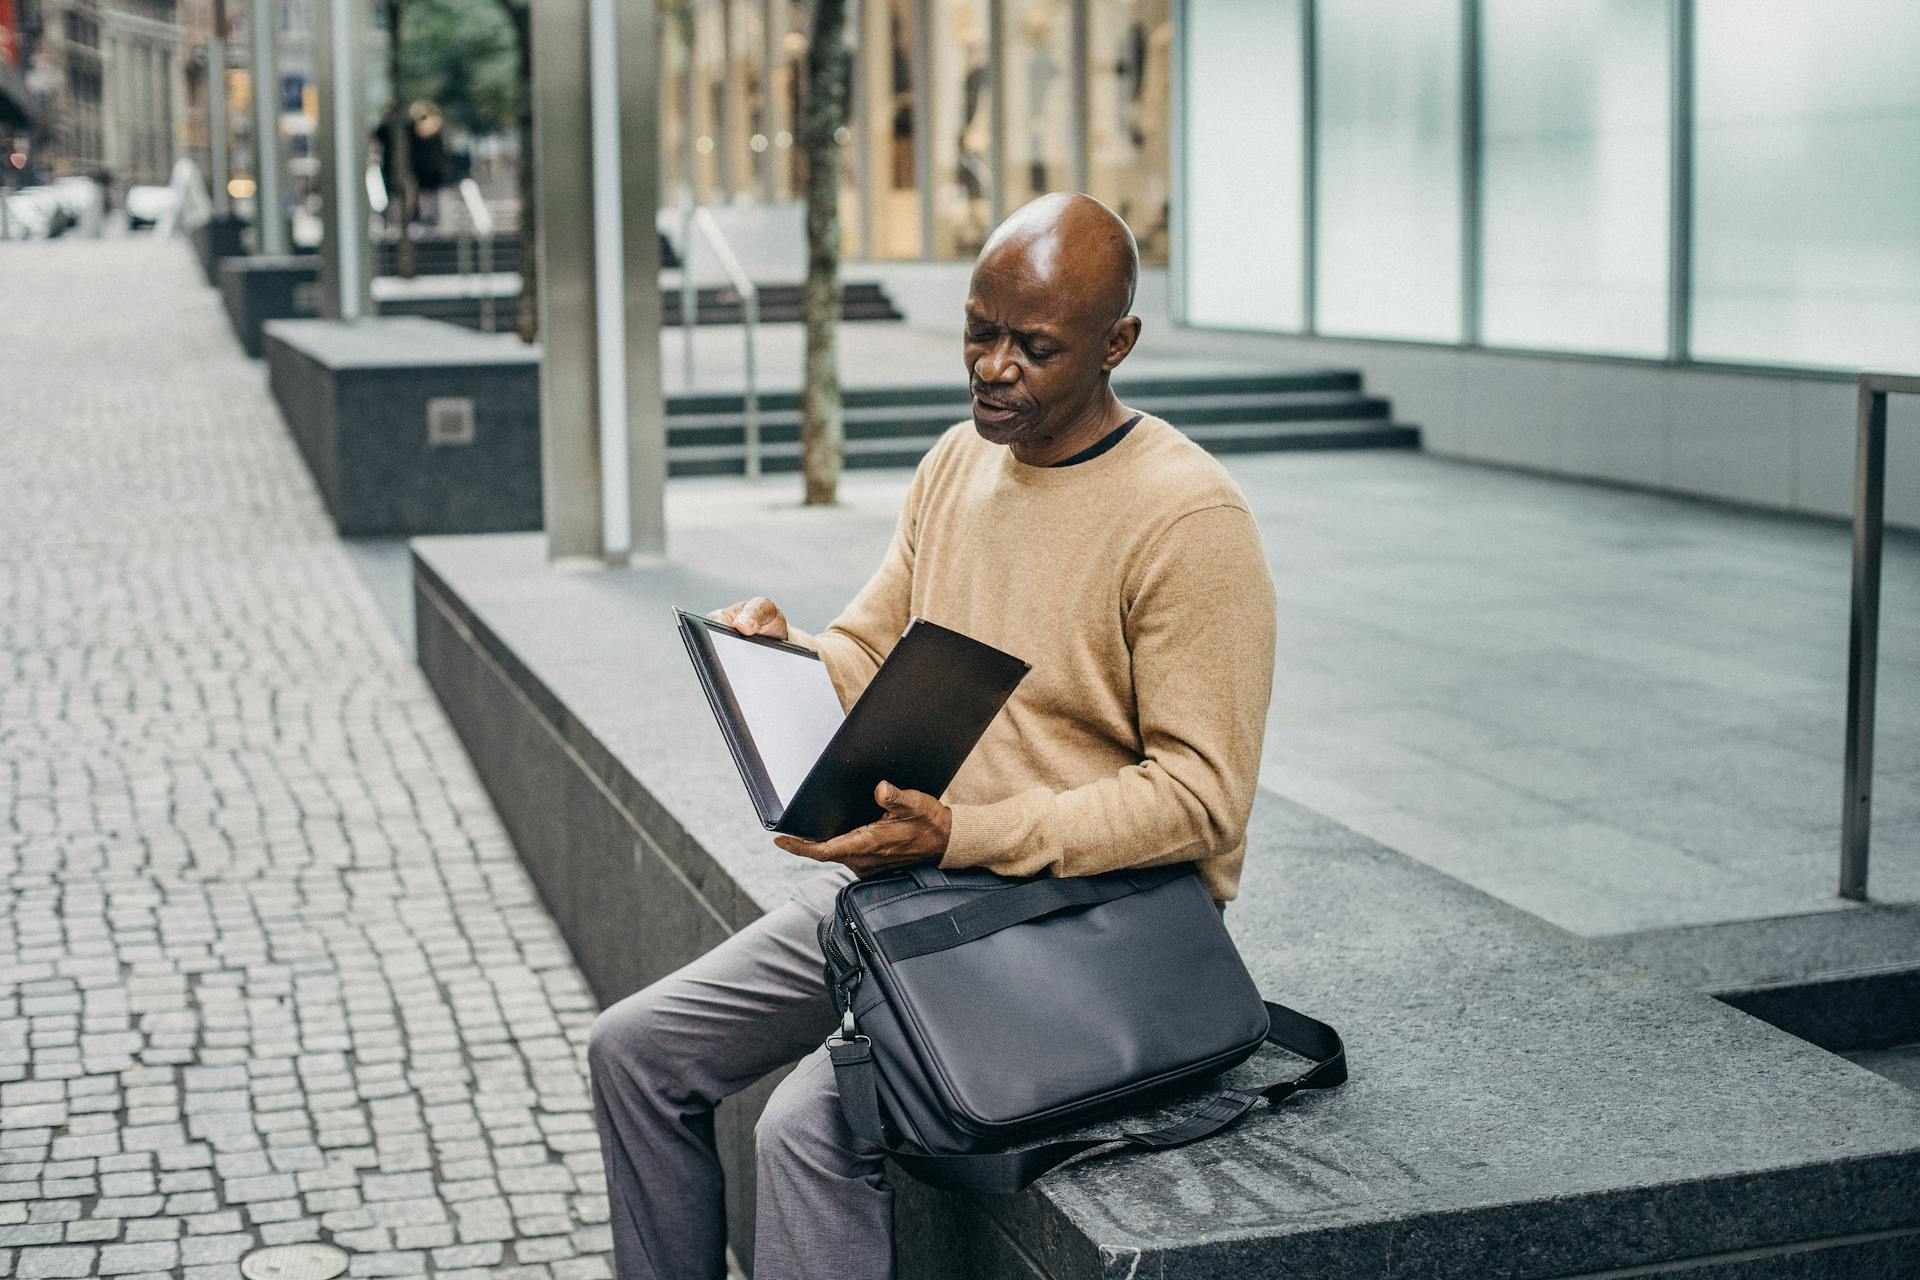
<point x="663" y="1057"/>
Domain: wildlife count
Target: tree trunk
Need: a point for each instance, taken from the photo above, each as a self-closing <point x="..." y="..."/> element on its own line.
<point x="529" y="318"/>
<point x="823" y="115"/>
<point x="400" y="138"/>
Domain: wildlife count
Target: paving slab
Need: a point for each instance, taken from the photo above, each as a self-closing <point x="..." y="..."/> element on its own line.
<point x="1524" y="1103"/>
<point x="258" y="922"/>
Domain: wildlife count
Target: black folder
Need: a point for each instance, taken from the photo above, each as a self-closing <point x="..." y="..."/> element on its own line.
<point x="914" y="724"/>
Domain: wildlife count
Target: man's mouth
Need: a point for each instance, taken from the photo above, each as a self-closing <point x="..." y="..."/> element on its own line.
<point x="992" y="411"/>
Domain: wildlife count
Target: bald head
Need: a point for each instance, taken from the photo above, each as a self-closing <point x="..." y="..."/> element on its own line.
<point x="1047" y="323"/>
<point x="1073" y="243"/>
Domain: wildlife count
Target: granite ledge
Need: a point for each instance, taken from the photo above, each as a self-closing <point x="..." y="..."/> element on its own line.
<point x="1524" y="1104"/>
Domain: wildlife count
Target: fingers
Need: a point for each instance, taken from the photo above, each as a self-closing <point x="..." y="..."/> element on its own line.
<point x="752" y="617"/>
<point x="859" y="841"/>
<point x="900" y="803"/>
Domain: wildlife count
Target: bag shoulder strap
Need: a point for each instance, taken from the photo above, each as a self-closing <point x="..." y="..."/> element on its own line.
<point x="1005" y="1172"/>
<point x="989" y="913"/>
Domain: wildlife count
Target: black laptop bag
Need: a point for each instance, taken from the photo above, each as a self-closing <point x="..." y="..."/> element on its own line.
<point x="980" y="1011"/>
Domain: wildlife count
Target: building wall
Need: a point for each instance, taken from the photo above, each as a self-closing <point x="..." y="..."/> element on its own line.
<point x="1647" y="241"/>
<point x="1771" y="439"/>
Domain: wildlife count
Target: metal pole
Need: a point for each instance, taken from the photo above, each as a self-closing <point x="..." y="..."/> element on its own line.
<point x="1863" y="640"/>
<point x="1470" y="194"/>
<point x="690" y="101"/>
<point x="570" y="461"/>
<point x="1309" y="165"/>
<point x="217" y="143"/>
<point x="1077" y="119"/>
<point x="645" y="416"/>
<point x="996" y="113"/>
<point x="346" y="281"/>
<point x="689" y="294"/>
<point x="266" y="128"/>
<point x="750" y="312"/>
<point x="772" y="11"/>
<point x="923" y="119"/>
<point x="1680" y="187"/>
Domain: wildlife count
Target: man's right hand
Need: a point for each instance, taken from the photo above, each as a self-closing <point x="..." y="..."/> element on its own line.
<point x="756" y="617"/>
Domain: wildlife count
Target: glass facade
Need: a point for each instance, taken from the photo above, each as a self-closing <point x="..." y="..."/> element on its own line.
<point x="1806" y="246"/>
<point x="1389" y="180"/>
<point x="1503" y="173"/>
<point x="962" y="111"/>
<point x="1575" y="162"/>
<point x="1241" y="272"/>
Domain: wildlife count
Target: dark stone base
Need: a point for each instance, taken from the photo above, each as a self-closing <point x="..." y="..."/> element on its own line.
<point x="217" y="240"/>
<point x="258" y="289"/>
<point x="365" y="402"/>
<point x="1524" y="1105"/>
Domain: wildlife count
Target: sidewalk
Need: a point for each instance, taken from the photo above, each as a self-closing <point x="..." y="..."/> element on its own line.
<point x="269" y="968"/>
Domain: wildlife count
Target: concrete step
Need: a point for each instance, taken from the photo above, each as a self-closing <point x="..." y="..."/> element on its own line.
<point x="1142" y="390"/>
<point x="1189" y="412"/>
<point x="1261" y="412"/>
<point x="906" y="451"/>
<point x="1900" y="1064"/>
<point x="1847" y="980"/>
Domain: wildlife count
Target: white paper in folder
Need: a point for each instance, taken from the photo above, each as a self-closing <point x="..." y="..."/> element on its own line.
<point x="788" y="702"/>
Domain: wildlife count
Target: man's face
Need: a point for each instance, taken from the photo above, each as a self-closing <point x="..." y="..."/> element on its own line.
<point x="1034" y="354"/>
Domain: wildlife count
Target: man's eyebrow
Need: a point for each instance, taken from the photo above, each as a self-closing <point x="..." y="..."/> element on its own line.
<point x="1045" y="335"/>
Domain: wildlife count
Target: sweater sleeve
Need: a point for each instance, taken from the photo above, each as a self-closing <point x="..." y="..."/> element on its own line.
<point x="1200" y="628"/>
<point x="855" y="644"/>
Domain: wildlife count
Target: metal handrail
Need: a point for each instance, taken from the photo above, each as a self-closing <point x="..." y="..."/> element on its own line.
<point x="1863" y="642"/>
<point x="477" y="236"/>
<point x="698" y="218"/>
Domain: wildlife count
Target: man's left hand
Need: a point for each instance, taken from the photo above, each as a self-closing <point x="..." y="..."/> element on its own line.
<point x="914" y="831"/>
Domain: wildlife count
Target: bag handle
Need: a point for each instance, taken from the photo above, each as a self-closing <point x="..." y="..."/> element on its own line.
<point x="1006" y="1172"/>
<point x="991" y="912"/>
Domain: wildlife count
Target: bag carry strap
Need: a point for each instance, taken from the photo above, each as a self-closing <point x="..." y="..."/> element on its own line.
<point x="1005" y="1172"/>
<point x="991" y="912"/>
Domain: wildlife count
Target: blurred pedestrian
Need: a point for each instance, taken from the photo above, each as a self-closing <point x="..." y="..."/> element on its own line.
<point x="428" y="159"/>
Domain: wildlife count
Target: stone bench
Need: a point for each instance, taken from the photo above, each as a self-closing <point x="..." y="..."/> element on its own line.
<point x="260" y="288"/>
<point x="410" y="425"/>
<point x="1523" y="1103"/>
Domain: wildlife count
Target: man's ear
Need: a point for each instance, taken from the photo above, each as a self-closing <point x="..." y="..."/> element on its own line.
<point x="1120" y="339"/>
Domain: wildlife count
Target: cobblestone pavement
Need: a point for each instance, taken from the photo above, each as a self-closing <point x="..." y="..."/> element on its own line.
<point x="269" y="968"/>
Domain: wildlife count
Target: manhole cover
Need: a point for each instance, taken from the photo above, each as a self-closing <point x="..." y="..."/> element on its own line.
<point x="294" y="1262"/>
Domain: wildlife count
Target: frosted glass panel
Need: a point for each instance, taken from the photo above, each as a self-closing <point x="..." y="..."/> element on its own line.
<point x="1574" y="116"/>
<point x="1388" y="95"/>
<point x="1244" y="185"/>
<point x="1807" y="182"/>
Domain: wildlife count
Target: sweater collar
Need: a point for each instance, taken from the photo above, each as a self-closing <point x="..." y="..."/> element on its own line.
<point x="1112" y="460"/>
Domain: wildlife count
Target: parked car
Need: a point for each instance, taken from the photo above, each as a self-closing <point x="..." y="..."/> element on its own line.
<point x="147" y="206"/>
<point x="35" y="213"/>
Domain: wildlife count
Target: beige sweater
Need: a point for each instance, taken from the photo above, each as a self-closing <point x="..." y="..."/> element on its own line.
<point x="1135" y="586"/>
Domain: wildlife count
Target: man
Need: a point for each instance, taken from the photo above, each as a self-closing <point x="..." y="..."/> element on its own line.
<point x="1120" y="560"/>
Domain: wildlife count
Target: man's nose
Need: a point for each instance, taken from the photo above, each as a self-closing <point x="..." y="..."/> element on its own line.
<point x="997" y="364"/>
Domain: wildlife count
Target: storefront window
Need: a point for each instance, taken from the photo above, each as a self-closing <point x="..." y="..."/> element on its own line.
<point x="888" y="110"/>
<point x="1038" y="62"/>
<point x="962" y="181"/>
<point x="1129" y="58"/>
